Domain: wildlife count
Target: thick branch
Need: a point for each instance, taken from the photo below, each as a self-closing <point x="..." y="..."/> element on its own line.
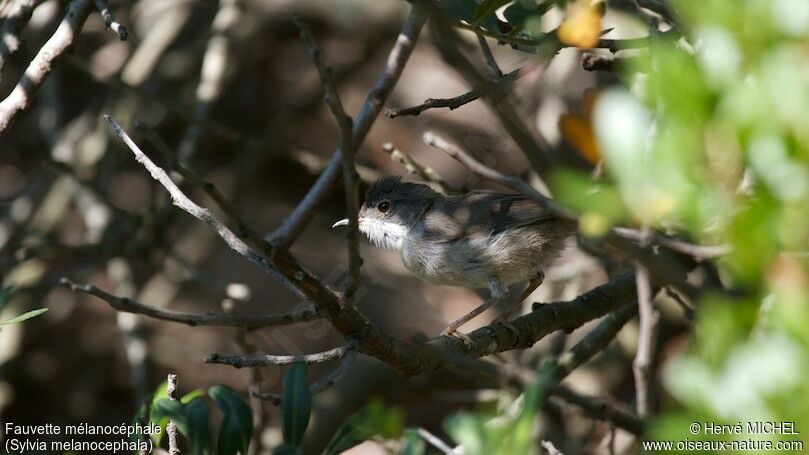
<point x="128" y="305"/>
<point x="594" y="342"/>
<point x="241" y="361"/>
<point x="294" y="224"/>
<point x="42" y="64"/>
<point x="602" y="410"/>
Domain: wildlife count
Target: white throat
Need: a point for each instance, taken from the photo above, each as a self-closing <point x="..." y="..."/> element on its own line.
<point x="384" y="234"/>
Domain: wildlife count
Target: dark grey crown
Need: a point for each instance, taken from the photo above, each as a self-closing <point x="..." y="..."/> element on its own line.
<point x="394" y="189"/>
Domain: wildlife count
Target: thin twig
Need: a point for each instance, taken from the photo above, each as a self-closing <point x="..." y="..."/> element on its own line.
<point x="687" y="308"/>
<point x="243" y="229"/>
<point x="347" y="152"/>
<point x="489" y="57"/>
<point x="171" y="427"/>
<point x="435" y="441"/>
<point x="647" y="337"/>
<point x="109" y="20"/>
<point x="412" y="166"/>
<point x="43" y="63"/>
<point x="179" y="199"/>
<point x="550" y="448"/>
<point x="537" y="150"/>
<point x="128" y="305"/>
<point x="454" y="103"/>
<point x="698" y="252"/>
<point x="242" y="361"/>
<point x="489" y="173"/>
<point x="303" y="213"/>
<point x="349" y="356"/>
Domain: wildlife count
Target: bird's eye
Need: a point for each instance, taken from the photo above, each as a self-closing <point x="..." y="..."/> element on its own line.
<point x="384" y="207"/>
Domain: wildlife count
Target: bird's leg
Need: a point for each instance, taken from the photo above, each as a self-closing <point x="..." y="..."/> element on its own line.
<point x="497" y="294"/>
<point x="508" y="311"/>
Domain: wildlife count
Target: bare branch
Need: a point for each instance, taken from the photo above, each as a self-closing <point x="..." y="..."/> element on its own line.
<point x="42" y="64"/>
<point x="435" y="441"/>
<point x="536" y="149"/>
<point x="349" y="356"/>
<point x="412" y="166"/>
<point x="550" y="448"/>
<point x="128" y="305"/>
<point x="347" y="152"/>
<point x="698" y="252"/>
<point x="179" y="199"/>
<point x="488" y="173"/>
<point x="171" y="427"/>
<point x="647" y="338"/>
<point x="489" y="57"/>
<point x="243" y="230"/>
<point x="499" y="86"/>
<point x="602" y="410"/>
<point x="241" y="361"/>
<point x="595" y="341"/>
<point x="109" y="20"/>
<point x="295" y="223"/>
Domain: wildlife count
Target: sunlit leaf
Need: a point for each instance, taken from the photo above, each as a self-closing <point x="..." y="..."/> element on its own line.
<point x="25" y="316"/>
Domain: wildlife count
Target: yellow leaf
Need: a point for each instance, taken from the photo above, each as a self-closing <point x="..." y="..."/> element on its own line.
<point x="582" y="25"/>
<point x="579" y="132"/>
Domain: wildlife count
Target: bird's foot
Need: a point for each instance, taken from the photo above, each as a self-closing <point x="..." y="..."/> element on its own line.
<point x="453" y="332"/>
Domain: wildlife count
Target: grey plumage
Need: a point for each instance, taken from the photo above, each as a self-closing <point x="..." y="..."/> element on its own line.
<point x="478" y="239"/>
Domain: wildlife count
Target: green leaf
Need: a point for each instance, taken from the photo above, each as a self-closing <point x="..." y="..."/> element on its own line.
<point x="296" y="404"/>
<point x="191" y="395"/>
<point x="374" y="419"/>
<point x="199" y="432"/>
<point x="237" y="425"/>
<point x="486" y="8"/>
<point x="25" y="316"/>
<point x="160" y="393"/>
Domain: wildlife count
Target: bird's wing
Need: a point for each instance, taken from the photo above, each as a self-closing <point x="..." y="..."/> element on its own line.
<point x="482" y="213"/>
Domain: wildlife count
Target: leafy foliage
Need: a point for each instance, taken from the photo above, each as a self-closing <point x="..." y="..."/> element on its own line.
<point x="191" y="415"/>
<point x="375" y="419"/>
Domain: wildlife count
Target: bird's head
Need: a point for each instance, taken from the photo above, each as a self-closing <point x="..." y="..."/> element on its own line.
<point x="390" y="209"/>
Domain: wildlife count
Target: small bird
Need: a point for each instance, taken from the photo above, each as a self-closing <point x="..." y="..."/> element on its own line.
<point x="481" y="239"/>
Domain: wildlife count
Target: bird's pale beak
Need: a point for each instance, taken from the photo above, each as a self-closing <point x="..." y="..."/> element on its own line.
<point x="343" y="222"/>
